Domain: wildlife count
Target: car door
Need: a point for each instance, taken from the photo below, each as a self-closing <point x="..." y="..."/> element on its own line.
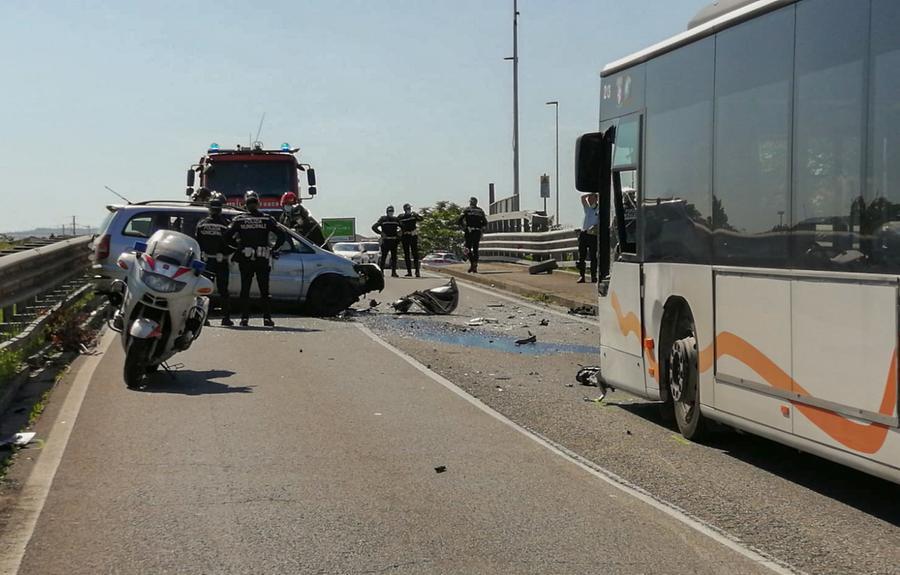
<point x="286" y="279"/>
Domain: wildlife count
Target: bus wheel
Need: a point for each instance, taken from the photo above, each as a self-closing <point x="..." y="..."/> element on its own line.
<point x="682" y="378"/>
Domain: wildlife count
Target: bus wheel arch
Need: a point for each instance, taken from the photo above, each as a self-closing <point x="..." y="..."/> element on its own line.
<point x="679" y="372"/>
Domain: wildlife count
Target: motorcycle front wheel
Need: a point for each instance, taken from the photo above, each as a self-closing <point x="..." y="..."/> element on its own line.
<point x="137" y="359"/>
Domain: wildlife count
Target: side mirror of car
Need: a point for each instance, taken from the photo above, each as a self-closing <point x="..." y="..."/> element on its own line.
<point x="311" y="178"/>
<point x="190" y="178"/>
<point x="312" y="190"/>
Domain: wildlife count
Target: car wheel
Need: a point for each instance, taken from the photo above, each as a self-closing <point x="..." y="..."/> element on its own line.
<point x="330" y="295"/>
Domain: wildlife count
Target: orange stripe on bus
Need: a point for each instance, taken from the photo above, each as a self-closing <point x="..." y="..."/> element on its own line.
<point x="863" y="437"/>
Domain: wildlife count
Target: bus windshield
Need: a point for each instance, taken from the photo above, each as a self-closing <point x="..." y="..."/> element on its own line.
<point x="233" y="178"/>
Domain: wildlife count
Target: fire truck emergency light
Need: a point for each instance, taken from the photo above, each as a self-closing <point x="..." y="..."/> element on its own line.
<point x="285" y="147"/>
<point x="214" y="147"/>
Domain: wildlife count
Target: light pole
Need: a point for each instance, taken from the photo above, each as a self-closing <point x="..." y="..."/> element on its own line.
<point x="555" y="104"/>
<point x="515" y="61"/>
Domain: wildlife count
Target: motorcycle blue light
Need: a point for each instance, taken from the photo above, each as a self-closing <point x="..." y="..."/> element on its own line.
<point x="198" y="266"/>
<point x="285" y="147"/>
<point x="140" y="247"/>
<point x="214" y="147"/>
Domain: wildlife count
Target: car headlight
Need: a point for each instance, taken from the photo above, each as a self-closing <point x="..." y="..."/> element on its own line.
<point x="161" y="283"/>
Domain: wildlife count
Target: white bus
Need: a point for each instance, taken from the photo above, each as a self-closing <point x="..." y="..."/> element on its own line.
<point x="752" y="170"/>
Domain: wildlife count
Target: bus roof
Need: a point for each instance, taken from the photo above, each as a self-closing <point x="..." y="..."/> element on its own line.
<point x="717" y="16"/>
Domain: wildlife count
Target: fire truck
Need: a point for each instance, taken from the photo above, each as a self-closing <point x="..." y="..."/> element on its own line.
<point x="269" y="173"/>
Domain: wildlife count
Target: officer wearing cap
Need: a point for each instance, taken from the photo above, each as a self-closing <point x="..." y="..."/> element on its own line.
<point x="214" y="250"/>
<point x="472" y="220"/>
<point x="409" y="237"/>
<point x="250" y="231"/>
<point x="388" y="227"/>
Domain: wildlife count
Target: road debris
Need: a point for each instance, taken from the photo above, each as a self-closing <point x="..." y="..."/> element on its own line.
<point x="477" y="321"/>
<point x="503" y="378"/>
<point x="18" y="439"/>
<point x="545" y="322"/>
<point x="440" y="469"/>
<point x="498" y="388"/>
<point x="374" y="303"/>
<point x="594" y="399"/>
<point x="441" y="300"/>
<point x="530" y="339"/>
<point x="582" y="310"/>
<point x="495" y="305"/>
<point x="589" y="375"/>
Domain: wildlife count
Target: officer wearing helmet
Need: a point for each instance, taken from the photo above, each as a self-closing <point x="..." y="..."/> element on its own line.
<point x="250" y="232"/>
<point x="472" y="220"/>
<point x="388" y="227"/>
<point x="215" y="249"/>
<point x="296" y="217"/>
<point x="409" y="237"/>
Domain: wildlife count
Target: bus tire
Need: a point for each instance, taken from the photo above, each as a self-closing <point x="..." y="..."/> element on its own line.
<point x="683" y="382"/>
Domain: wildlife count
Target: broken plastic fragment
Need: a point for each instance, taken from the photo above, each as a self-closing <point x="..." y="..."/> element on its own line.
<point x="18" y="439"/>
<point x="530" y="339"/>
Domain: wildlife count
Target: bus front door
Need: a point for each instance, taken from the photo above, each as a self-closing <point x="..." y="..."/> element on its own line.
<point x="619" y="306"/>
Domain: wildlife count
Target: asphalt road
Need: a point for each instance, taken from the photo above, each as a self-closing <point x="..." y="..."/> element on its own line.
<point x="814" y="515"/>
<point x="314" y="448"/>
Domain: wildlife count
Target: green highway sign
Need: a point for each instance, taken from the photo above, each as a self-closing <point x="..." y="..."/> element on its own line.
<point x="339" y="229"/>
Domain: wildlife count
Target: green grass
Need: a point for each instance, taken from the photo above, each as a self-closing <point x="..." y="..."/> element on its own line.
<point x="540" y="298"/>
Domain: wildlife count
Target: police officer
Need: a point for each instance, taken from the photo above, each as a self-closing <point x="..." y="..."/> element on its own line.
<point x="214" y="249"/>
<point x="251" y="233"/>
<point x="296" y="217"/>
<point x="409" y="236"/>
<point x="472" y="220"/>
<point x="388" y="227"/>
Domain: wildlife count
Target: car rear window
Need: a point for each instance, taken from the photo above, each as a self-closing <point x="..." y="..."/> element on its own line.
<point x="144" y="224"/>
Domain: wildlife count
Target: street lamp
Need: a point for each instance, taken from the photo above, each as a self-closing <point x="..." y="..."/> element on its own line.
<point x="555" y="104"/>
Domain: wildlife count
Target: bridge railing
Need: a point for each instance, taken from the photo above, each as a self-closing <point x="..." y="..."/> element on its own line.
<point x="559" y="245"/>
<point x="35" y="281"/>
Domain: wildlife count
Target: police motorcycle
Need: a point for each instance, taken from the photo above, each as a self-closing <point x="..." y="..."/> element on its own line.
<point x="162" y="303"/>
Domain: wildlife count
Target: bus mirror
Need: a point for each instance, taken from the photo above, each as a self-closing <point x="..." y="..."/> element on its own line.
<point x="590" y="168"/>
<point x="311" y="179"/>
<point x="190" y="178"/>
<point x="312" y="190"/>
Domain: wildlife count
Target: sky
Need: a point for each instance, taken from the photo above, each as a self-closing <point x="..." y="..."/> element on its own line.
<point x="392" y="101"/>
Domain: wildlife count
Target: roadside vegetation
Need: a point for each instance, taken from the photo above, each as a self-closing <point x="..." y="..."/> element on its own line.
<point x="438" y="231"/>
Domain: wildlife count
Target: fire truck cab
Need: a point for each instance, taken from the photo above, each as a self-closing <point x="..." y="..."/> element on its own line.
<point x="269" y="173"/>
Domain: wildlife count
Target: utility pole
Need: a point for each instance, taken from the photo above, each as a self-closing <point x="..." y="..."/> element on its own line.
<point x="73" y="227"/>
<point x="515" y="61"/>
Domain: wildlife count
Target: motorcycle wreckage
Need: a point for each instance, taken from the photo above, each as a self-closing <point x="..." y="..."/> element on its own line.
<point x="162" y="303"/>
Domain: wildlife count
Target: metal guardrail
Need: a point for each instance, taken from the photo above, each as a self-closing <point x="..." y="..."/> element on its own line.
<point x="34" y="281"/>
<point x="560" y="245"/>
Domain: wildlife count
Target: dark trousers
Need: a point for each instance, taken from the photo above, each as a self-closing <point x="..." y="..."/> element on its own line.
<point x="219" y="272"/>
<point x="587" y="248"/>
<point x="473" y="240"/>
<point x="260" y="269"/>
<point x="389" y="245"/>
<point x="411" y="243"/>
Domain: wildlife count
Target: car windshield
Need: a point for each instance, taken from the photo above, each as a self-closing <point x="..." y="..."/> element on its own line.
<point x="345" y="247"/>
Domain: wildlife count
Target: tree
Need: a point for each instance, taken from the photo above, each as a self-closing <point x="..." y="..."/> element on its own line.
<point x="438" y="230"/>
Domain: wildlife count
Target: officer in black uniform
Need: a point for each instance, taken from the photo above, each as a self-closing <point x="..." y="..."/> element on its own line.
<point x="388" y="227"/>
<point x="250" y="231"/>
<point x="409" y="235"/>
<point x="472" y="220"/>
<point x="214" y="249"/>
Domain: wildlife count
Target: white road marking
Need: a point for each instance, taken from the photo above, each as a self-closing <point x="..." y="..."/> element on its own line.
<point x="495" y="292"/>
<point x="600" y="472"/>
<point x="30" y="502"/>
